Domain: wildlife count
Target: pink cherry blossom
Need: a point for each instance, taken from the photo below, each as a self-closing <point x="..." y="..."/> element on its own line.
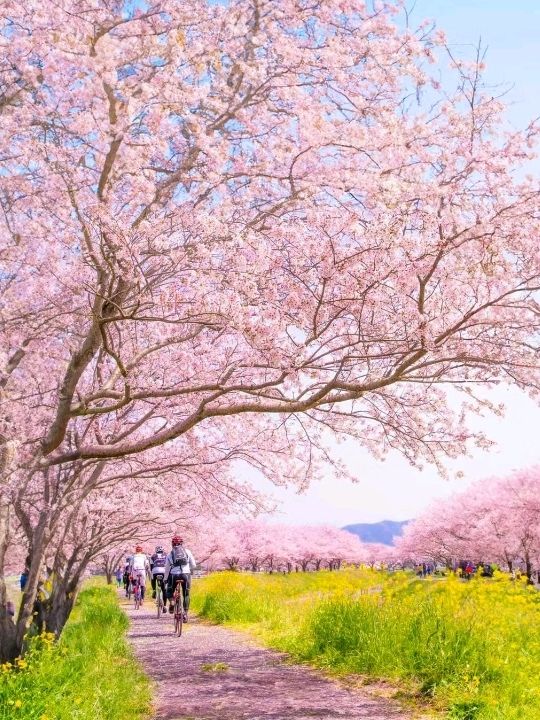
<point x="227" y="234"/>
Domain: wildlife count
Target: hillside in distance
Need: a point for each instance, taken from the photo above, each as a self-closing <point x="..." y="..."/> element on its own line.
<point x="379" y="532"/>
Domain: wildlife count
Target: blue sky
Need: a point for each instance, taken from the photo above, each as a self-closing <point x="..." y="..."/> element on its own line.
<point x="394" y="490"/>
<point x="511" y="32"/>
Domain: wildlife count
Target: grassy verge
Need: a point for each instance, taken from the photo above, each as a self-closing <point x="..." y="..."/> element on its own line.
<point x="470" y="650"/>
<point x="89" y="675"/>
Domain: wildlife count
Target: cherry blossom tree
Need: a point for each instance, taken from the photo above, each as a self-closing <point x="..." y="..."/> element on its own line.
<point x="328" y="546"/>
<point x="98" y="508"/>
<point x="497" y="519"/>
<point x="228" y="229"/>
<point x="440" y="534"/>
<point x="209" y="545"/>
<point x="110" y="560"/>
<point x="257" y="545"/>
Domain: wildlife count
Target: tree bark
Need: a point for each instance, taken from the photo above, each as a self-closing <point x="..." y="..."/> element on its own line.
<point x="37" y="553"/>
<point x="8" y="644"/>
<point x="528" y="569"/>
<point x="61" y="602"/>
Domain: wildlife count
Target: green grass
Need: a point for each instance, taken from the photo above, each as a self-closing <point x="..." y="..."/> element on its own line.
<point x="468" y="650"/>
<point x="89" y="675"/>
<point x="216" y="667"/>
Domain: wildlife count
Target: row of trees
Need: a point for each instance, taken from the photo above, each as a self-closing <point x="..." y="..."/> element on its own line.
<point x="495" y="520"/>
<point x="256" y="545"/>
<point x="227" y="232"/>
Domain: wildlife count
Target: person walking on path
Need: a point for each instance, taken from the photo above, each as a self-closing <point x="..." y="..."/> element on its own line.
<point x="119" y="574"/>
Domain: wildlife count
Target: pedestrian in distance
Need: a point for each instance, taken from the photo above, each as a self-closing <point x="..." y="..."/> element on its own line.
<point x="119" y="575"/>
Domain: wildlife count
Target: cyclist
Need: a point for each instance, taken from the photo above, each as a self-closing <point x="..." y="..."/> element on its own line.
<point x="139" y="568"/>
<point x="178" y="568"/>
<point x="126" y="573"/>
<point x="157" y="567"/>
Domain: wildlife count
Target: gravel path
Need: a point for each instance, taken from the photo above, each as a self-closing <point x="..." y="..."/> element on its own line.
<point x="254" y="683"/>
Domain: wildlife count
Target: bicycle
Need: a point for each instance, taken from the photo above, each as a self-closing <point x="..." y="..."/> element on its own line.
<point x="178" y="600"/>
<point x="137" y="595"/>
<point x="160" y="601"/>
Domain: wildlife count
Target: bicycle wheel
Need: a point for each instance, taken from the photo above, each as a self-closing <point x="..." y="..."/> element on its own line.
<point x="178" y="610"/>
<point x="137" y="596"/>
<point x="159" y="601"/>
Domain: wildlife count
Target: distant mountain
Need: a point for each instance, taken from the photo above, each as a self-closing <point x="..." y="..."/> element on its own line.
<point x="380" y="532"/>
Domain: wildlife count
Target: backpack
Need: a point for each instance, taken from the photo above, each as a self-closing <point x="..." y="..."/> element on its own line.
<point x="159" y="560"/>
<point x="180" y="556"/>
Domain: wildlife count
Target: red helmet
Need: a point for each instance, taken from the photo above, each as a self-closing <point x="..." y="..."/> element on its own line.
<point x="177" y="540"/>
<point x="138" y="548"/>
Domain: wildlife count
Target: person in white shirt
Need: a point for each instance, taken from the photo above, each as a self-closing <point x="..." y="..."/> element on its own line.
<point x="178" y="568"/>
<point x="139" y="568"/>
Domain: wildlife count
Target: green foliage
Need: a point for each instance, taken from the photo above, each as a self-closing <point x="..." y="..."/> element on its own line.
<point x="89" y="675"/>
<point x="216" y="667"/>
<point x="471" y="649"/>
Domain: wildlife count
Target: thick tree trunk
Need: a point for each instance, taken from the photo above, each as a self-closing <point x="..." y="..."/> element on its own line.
<point x="26" y="609"/>
<point x="60" y="605"/>
<point x="8" y="644"/>
<point x="528" y="569"/>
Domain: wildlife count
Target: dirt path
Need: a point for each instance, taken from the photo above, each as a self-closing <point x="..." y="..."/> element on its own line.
<point x="256" y="684"/>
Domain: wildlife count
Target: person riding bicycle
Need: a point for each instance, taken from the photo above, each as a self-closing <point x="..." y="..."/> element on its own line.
<point x="139" y="568"/>
<point x="126" y="573"/>
<point x="157" y="568"/>
<point x="178" y="568"/>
